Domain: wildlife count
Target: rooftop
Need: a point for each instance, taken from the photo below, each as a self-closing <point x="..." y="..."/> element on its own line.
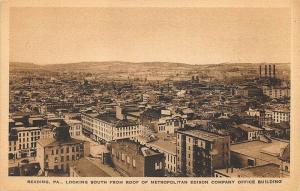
<point x="267" y="170"/>
<point x="164" y="143"/>
<point x="204" y="135"/>
<point x="247" y="127"/>
<point x="85" y="168"/>
<point x="268" y="152"/>
<point x="26" y="128"/>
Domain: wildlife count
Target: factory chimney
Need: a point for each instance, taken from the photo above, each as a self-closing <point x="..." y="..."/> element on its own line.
<point x="259" y="71"/>
<point x="266" y="71"/>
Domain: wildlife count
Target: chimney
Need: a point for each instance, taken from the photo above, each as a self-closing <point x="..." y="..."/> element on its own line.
<point x="259" y="71"/>
<point x="270" y="71"/>
<point x="274" y="71"/>
<point x="266" y="71"/>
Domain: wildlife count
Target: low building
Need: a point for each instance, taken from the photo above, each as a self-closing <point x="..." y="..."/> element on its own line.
<point x="55" y="154"/>
<point x="285" y="161"/>
<point x="166" y="144"/>
<point x="200" y="152"/>
<point x="133" y="159"/>
<point x="269" y="170"/>
<point x="251" y="132"/>
<point x="256" y="153"/>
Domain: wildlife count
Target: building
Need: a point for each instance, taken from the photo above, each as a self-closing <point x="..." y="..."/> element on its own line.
<point x="251" y="132"/>
<point x="57" y="153"/>
<point x="281" y="115"/>
<point x="269" y="170"/>
<point x="256" y="153"/>
<point x="170" y="124"/>
<point x="47" y="132"/>
<point x="276" y="92"/>
<point x="248" y="91"/>
<point x="200" y="152"/>
<point x="106" y="127"/>
<point x="75" y="127"/>
<point x="166" y="144"/>
<point x="23" y="142"/>
<point x="135" y="160"/>
<point x="285" y="161"/>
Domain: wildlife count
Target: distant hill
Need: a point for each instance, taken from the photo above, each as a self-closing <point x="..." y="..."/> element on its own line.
<point x="22" y="66"/>
<point x="129" y="67"/>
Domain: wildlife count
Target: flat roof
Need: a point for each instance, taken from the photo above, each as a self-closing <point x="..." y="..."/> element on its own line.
<point x="247" y="127"/>
<point x="26" y="128"/>
<point x="85" y="168"/>
<point x="201" y="134"/>
<point x="51" y="142"/>
<point x="267" y="170"/>
<point x="164" y="143"/>
<point x="268" y="152"/>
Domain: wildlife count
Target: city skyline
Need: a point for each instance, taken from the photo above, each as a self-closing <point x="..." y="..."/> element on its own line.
<point x="150" y="34"/>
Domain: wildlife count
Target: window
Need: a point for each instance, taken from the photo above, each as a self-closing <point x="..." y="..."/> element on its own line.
<point x="250" y="162"/>
<point x="128" y="160"/>
<point x="286" y="168"/>
<point x="55" y="159"/>
<point x="57" y="151"/>
<point x="62" y="150"/>
<point x="62" y="158"/>
<point x="123" y="157"/>
<point x="133" y="162"/>
<point x="52" y="152"/>
<point x="67" y="149"/>
<point x="46" y="157"/>
<point x="158" y="165"/>
<point x="68" y="158"/>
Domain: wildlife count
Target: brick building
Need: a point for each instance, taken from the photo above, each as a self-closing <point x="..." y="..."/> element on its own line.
<point x="133" y="159"/>
<point x="200" y="152"/>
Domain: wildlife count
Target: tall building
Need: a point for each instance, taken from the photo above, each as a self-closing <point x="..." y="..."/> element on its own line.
<point x="200" y="152"/>
<point x="57" y="153"/>
<point x="23" y="142"/>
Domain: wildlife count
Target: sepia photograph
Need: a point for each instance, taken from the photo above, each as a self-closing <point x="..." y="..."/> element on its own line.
<point x="145" y="91"/>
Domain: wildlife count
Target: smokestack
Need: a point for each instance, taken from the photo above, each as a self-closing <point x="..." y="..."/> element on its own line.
<point x="274" y="71"/>
<point x="259" y="71"/>
<point x="266" y="70"/>
<point x="270" y="71"/>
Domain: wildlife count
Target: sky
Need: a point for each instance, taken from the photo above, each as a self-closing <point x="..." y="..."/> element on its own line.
<point x="185" y="35"/>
